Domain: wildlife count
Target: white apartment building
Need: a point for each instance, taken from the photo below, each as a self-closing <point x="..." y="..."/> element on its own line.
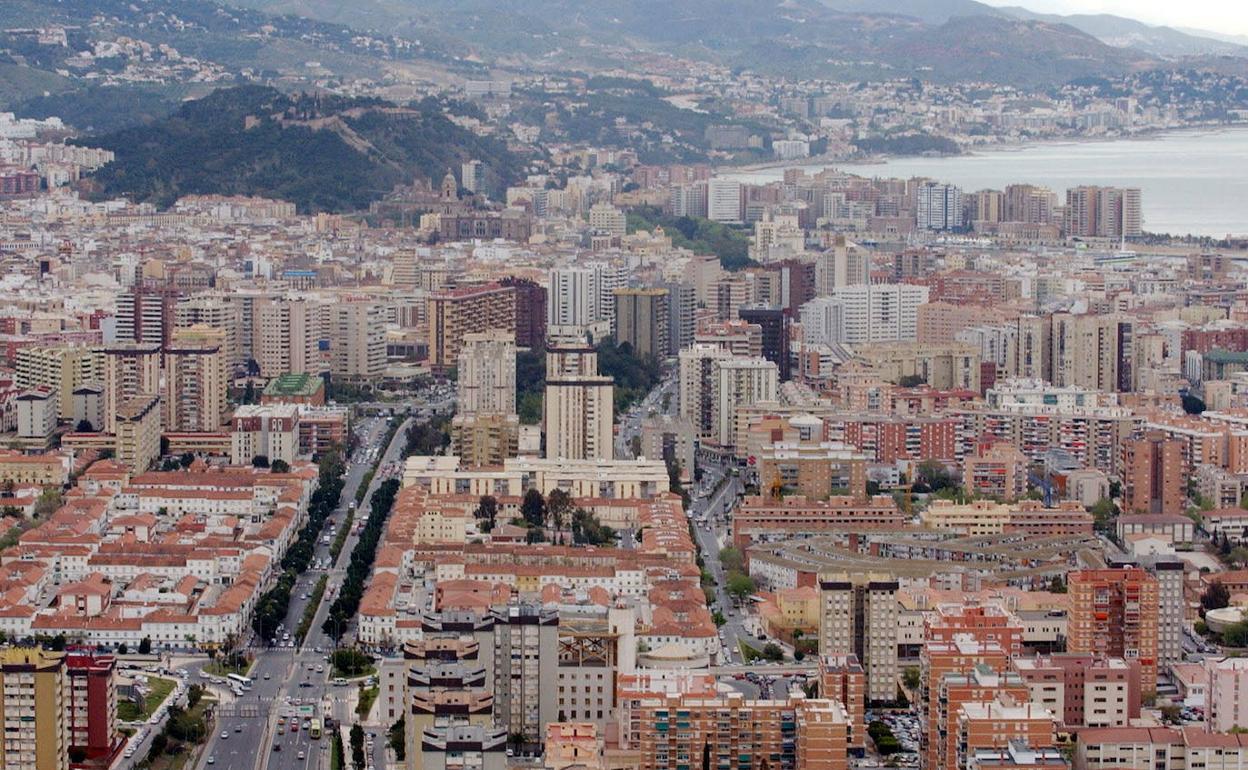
<point x="606" y="218"/>
<point x="738" y="382"/>
<point x="938" y="206"/>
<point x="579" y="408"/>
<point x="581" y="296"/>
<point x="697" y="385"/>
<point x="723" y="200"/>
<point x="867" y="313"/>
<point x="487" y="373"/>
<point x="269" y="430"/>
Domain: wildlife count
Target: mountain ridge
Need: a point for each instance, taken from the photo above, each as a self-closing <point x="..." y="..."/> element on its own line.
<point x="839" y="39"/>
<point x="323" y="153"/>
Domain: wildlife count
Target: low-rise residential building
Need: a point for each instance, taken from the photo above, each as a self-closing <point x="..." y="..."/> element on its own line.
<point x="1083" y="690"/>
<point x="270" y="431"/>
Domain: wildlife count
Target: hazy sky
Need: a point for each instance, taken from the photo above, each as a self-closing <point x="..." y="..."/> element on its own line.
<point x="1226" y="16"/>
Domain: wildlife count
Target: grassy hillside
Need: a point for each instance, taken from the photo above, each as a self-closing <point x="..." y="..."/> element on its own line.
<point x="321" y="153"/>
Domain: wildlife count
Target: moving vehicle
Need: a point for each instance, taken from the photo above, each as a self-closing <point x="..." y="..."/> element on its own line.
<point x="314" y="729"/>
<point x="243" y="681"/>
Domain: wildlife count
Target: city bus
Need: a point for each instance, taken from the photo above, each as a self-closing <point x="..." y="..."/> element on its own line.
<point x="314" y="729"/>
<point x="242" y="681"/>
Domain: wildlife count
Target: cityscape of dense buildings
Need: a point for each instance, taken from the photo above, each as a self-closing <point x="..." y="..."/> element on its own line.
<point x="577" y="442"/>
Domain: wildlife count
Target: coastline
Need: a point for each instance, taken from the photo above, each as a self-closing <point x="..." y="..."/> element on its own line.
<point x="1003" y="147"/>
<point x="1190" y="178"/>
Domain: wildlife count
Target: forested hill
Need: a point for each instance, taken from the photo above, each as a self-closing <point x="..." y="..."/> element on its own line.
<point x="321" y="152"/>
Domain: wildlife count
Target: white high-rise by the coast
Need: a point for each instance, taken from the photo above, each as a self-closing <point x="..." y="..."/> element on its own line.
<point x="857" y="315"/>
<point x="723" y="200"/>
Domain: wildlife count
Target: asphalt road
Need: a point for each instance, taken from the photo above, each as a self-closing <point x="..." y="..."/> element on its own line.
<point x="713" y="535"/>
<point x="630" y="421"/>
<point x="246" y="728"/>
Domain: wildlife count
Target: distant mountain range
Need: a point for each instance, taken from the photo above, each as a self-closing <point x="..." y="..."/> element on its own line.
<point x="1129" y="33"/>
<point x="323" y="153"/>
<point x="303" y="43"/>
<point x="228" y="44"/>
<point x="935" y="39"/>
<point x="1117" y="31"/>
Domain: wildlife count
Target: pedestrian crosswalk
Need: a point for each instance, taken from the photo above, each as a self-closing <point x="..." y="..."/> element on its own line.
<point x="243" y="710"/>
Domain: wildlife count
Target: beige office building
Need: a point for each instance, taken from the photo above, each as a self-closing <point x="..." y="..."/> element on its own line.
<point x="34" y="693"/>
<point x="740" y="382"/>
<point x="218" y="313"/>
<point x="195" y="381"/>
<point x="487" y="373"/>
<point x="578" y="410"/>
<point x="1092" y="351"/>
<point x="641" y="320"/>
<point x="465" y="310"/>
<point x="285" y="335"/>
<point x="483" y="439"/>
<point x="357" y="340"/>
<point x="859" y="615"/>
<point x="62" y="369"/>
<point x="136" y="427"/>
<point x="130" y="370"/>
<point x="944" y="367"/>
<point x="697" y="385"/>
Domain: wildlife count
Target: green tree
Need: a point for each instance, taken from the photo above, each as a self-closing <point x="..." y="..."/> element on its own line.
<point x="260" y="461"/>
<point x="486" y="512"/>
<point x="732" y="560"/>
<point x="911" y="677"/>
<point x="558" y="508"/>
<point x="338" y="760"/>
<point x="160" y="742"/>
<point x="739" y="586"/>
<point x="772" y="651"/>
<point x="280" y="466"/>
<point x="351" y="662"/>
<point x="674" y="484"/>
<point x="357" y="746"/>
<point x="1236" y="635"/>
<point x="533" y="508"/>
<point x="395" y="736"/>
<point x="934" y="475"/>
<point x="49" y="501"/>
<point x="587" y="530"/>
<point x="1103" y="514"/>
<point x="145" y="646"/>
<point x="1057" y="585"/>
<point x="1215" y="597"/>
